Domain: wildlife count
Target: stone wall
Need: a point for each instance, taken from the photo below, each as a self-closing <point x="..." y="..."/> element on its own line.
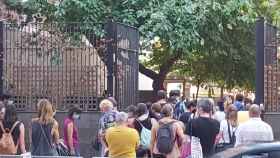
<point x="87" y="127"/>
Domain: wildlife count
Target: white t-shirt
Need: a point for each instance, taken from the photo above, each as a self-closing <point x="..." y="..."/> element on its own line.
<point x="253" y="131"/>
<point x="224" y="130"/>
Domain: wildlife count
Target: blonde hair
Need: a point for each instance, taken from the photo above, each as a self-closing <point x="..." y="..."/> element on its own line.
<point x="232" y="115"/>
<point x="106" y="104"/>
<point x="46" y="111"/>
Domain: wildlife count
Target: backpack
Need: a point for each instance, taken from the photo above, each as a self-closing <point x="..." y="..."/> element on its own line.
<point x="109" y="120"/>
<point x="165" y="138"/>
<point x="7" y="144"/>
<point x="179" y="109"/>
<point x="145" y="136"/>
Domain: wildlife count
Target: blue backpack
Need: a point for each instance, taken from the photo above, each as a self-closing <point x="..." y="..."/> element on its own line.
<point x="145" y="136"/>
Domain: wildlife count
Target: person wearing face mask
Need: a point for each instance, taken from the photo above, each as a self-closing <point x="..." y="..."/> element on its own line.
<point x="71" y="137"/>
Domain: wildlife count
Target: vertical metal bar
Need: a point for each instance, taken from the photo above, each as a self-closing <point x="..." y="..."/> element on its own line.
<point x="87" y="71"/>
<point x="260" y="61"/>
<point x="5" y="53"/>
<point x="37" y="72"/>
<point x="1" y="57"/>
<point x="81" y="71"/>
<point x="136" y="70"/>
<point x="13" y="74"/>
<point x="110" y="32"/>
<point x="59" y="80"/>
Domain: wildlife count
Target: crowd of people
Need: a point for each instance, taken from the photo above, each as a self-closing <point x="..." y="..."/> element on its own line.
<point x="169" y="127"/>
<point x="44" y="132"/>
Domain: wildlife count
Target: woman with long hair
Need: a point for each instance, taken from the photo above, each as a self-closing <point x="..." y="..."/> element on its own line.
<point x="44" y="132"/>
<point x="228" y="127"/>
<point x="11" y="124"/>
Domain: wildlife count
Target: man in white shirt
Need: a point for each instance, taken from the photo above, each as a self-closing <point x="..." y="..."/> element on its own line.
<point x="254" y="130"/>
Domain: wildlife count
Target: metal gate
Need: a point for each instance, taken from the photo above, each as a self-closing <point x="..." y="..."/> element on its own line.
<point x="66" y="63"/>
<point x="123" y="84"/>
<point x="271" y="68"/>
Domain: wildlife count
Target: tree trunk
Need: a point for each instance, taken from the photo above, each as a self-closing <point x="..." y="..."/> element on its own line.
<point x="222" y="91"/>
<point x="197" y="90"/>
<point x="164" y="69"/>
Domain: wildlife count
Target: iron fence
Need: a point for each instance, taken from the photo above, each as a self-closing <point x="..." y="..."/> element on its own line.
<point x="125" y="63"/>
<point x="68" y="64"/>
<point x="271" y="69"/>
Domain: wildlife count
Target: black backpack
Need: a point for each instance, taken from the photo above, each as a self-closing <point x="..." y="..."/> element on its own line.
<point x="165" y="138"/>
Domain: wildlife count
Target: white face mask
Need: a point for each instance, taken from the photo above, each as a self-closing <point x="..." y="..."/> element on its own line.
<point x="76" y="116"/>
<point x="10" y="102"/>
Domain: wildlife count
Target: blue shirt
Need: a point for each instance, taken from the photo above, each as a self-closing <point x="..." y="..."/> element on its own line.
<point x="239" y="105"/>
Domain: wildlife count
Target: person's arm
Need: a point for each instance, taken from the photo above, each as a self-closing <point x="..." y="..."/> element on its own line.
<point x="137" y="140"/>
<point x="221" y="132"/>
<point x="180" y="132"/>
<point x="55" y="132"/>
<point x="70" y="127"/>
<point x="21" y="138"/>
<point x="153" y="137"/>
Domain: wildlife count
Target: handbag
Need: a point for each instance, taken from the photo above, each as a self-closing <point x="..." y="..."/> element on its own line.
<point x="185" y="150"/>
<point x="192" y="149"/>
<point x="224" y="146"/>
<point x="62" y="149"/>
<point x="196" y="148"/>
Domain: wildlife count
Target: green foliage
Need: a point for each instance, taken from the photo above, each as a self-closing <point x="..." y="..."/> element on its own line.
<point x="215" y="38"/>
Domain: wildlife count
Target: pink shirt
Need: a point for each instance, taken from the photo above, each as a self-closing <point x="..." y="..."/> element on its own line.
<point x="75" y="133"/>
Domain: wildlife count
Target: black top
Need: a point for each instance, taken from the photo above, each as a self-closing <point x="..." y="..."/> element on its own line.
<point x="185" y="118"/>
<point x="42" y="139"/>
<point x="15" y="133"/>
<point x="147" y="123"/>
<point x="206" y="129"/>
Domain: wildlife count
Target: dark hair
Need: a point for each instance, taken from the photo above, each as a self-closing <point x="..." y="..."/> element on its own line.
<point x="172" y="100"/>
<point x="191" y="104"/>
<point x="10" y="116"/>
<point x="149" y="105"/>
<point x="141" y="109"/>
<point x="131" y="109"/>
<point x="73" y="110"/>
<point x="220" y="104"/>
<point x="167" y="110"/>
<point x="156" y="107"/>
<point x="239" y="97"/>
<point x="161" y="94"/>
<point x="174" y="93"/>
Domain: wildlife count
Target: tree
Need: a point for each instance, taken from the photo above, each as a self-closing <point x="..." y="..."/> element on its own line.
<point x="183" y="27"/>
<point x="173" y="21"/>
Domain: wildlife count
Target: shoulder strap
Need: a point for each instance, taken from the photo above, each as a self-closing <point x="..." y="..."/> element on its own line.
<point x="45" y="136"/>
<point x="229" y="133"/>
<point x="139" y="123"/>
<point x="11" y="130"/>
<point x="2" y="127"/>
<point x="14" y="126"/>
